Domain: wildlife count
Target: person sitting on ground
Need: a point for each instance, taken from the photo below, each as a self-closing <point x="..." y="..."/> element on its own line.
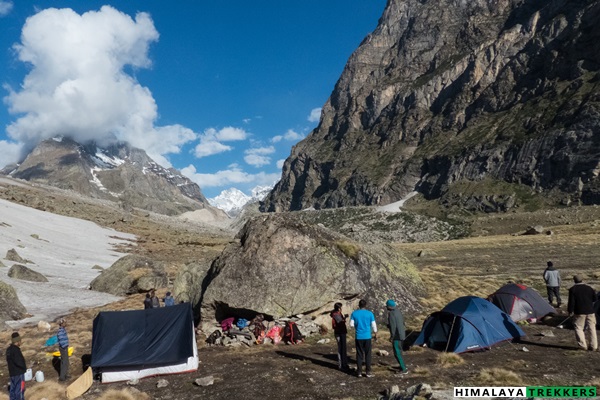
<point x="169" y="300"/>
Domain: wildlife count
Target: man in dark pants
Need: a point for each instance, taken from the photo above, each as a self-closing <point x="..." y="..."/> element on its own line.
<point x="63" y="348"/>
<point x="338" y="323"/>
<point x="363" y="321"/>
<point x="581" y="308"/>
<point x="552" y="279"/>
<point x="397" y="332"/>
<point x="16" y="368"/>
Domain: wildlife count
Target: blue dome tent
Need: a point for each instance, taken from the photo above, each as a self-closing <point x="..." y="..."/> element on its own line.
<point x="468" y="324"/>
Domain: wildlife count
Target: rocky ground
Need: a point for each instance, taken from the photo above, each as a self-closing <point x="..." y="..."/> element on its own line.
<point x="475" y="265"/>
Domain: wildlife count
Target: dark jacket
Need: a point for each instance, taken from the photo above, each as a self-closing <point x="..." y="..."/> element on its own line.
<point x="338" y="323"/>
<point x="396" y="324"/>
<point x="147" y="303"/>
<point x="15" y="361"/>
<point x="581" y="299"/>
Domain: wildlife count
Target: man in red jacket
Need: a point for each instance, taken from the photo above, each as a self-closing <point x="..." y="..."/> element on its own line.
<point x="581" y="308"/>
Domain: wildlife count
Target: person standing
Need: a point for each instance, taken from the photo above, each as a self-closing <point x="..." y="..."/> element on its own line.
<point x="581" y="308"/>
<point x="338" y="323"/>
<point x="363" y="321"/>
<point x="16" y="368"/>
<point x="63" y="348"/>
<point x="397" y="332"/>
<point x="169" y="300"/>
<point x="154" y="299"/>
<point x="147" y="302"/>
<point x="552" y="279"/>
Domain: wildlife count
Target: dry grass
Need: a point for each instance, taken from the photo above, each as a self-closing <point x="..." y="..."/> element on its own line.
<point x="421" y="371"/>
<point x="449" y="360"/>
<point x="349" y="249"/>
<point x="416" y="349"/>
<point x="124" y="394"/>
<point x="594" y="382"/>
<point x="46" y="390"/>
<point x="498" y="377"/>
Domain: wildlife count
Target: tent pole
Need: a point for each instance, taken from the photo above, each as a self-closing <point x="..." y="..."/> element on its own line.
<point x="450" y="334"/>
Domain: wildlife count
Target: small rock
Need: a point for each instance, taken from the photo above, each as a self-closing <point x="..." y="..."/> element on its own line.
<point x="547" y="333"/>
<point x="324" y="341"/>
<point x="525" y="349"/>
<point x="44" y="326"/>
<point x="206" y="381"/>
<point x="310" y="380"/>
<point x="383" y="353"/>
<point x="162" y="383"/>
<point x="133" y="382"/>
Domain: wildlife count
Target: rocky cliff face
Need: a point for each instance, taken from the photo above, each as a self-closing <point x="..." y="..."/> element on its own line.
<point x="119" y="173"/>
<point x="450" y="93"/>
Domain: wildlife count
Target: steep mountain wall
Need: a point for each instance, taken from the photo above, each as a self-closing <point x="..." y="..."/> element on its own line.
<point x="448" y="93"/>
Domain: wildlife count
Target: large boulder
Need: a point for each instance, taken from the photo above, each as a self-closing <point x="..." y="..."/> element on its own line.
<point x="131" y="274"/>
<point x="283" y="267"/>
<point x="12" y="255"/>
<point x="10" y="306"/>
<point x="188" y="282"/>
<point x="18" y="271"/>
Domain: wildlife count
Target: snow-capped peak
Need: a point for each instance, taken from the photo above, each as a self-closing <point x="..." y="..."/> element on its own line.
<point x="233" y="200"/>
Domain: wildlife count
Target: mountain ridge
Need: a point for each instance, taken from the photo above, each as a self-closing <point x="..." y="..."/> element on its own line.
<point x="118" y="172"/>
<point x="468" y="103"/>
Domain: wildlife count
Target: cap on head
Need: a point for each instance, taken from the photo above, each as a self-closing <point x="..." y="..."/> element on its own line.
<point x="61" y="322"/>
<point x="577" y="279"/>
<point x="550" y="264"/>
<point x="390" y="303"/>
<point x="15" y="338"/>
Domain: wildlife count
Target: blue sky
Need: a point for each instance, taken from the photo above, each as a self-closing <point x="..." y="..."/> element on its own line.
<point x="220" y="90"/>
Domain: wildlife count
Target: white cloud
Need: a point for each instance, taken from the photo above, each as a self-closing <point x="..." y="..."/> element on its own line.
<point x="77" y="85"/>
<point x="231" y="176"/>
<point x="280" y="163"/>
<point x="257" y="160"/>
<point x="289" y="136"/>
<point x="5" y="7"/>
<point x="257" y="156"/>
<point x="209" y="148"/>
<point x="315" y="115"/>
<point x="9" y="153"/>
<point x="210" y="140"/>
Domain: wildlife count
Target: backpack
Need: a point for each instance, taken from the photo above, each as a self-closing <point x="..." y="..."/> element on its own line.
<point x="275" y="334"/>
<point x="291" y="333"/>
<point x="227" y="324"/>
<point x="241" y="323"/>
<point x="212" y="339"/>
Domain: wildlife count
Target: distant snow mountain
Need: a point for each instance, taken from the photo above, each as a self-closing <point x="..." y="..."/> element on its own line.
<point x="233" y="200"/>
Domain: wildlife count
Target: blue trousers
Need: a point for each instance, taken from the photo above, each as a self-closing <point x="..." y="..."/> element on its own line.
<point x="17" y="387"/>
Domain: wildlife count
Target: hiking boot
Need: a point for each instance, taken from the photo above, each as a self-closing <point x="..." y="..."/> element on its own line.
<point x="358" y="374"/>
<point x="401" y="372"/>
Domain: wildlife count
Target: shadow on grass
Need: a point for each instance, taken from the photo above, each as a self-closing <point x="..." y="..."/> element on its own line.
<point x="316" y="361"/>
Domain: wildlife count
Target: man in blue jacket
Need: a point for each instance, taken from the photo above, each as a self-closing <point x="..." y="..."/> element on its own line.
<point x="363" y="321"/>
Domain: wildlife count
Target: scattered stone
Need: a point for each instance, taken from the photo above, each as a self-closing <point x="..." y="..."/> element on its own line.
<point x="19" y="271"/>
<point x="133" y="382"/>
<point x="205" y="381"/>
<point x="162" y="383"/>
<point x="426" y="253"/>
<point x="98" y="267"/>
<point x="12" y="255"/>
<point x="547" y="333"/>
<point x="383" y="353"/>
<point x="310" y="380"/>
<point x="525" y="349"/>
<point x="131" y="274"/>
<point x="549" y="233"/>
<point x="534" y="230"/>
<point x="419" y="391"/>
<point x="323" y="341"/>
<point x="44" y="326"/>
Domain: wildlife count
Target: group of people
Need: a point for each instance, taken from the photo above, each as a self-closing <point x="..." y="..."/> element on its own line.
<point x="152" y="301"/>
<point x="580" y="305"/>
<point x="17" y="365"/>
<point x="363" y="322"/>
